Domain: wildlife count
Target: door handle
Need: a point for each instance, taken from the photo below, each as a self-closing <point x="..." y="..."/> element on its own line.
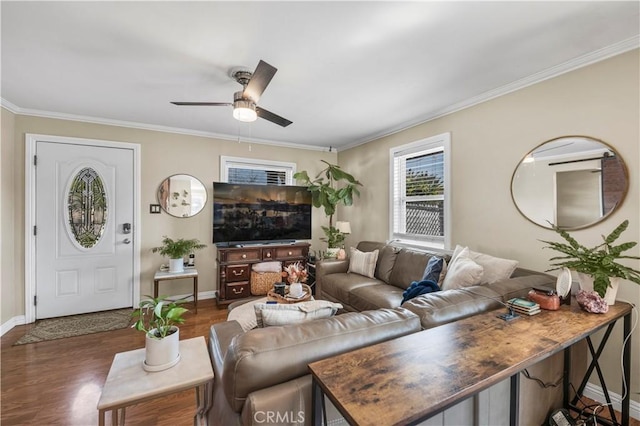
<point x="126" y="241"/>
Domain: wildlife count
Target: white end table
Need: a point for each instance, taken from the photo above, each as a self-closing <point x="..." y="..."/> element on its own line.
<point x="187" y="273"/>
<point x="129" y="384"/>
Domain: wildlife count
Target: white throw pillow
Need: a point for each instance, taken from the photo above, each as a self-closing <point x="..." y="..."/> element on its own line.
<point x="462" y="271"/>
<point x="270" y="314"/>
<point x="495" y="268"/>
<point x="363" y="263"/>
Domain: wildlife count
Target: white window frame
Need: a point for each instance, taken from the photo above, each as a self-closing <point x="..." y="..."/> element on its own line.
<point x="438" y="142"/>
<point x="227" y="163"/>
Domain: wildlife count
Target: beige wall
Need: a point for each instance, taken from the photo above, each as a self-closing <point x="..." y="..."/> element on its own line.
<point x="162" y="155"/>
<point x="489" y="140"/>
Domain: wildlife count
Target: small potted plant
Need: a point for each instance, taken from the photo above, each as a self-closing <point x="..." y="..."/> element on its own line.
<point x="158" y="319"/>
<point x="596" y="266"/>
<point x="176" y="250"/>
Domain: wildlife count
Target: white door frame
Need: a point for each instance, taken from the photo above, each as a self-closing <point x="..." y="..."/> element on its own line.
<point x="30" y="213"/>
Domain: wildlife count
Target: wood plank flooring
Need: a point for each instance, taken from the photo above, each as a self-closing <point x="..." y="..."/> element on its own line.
<point x="59" y="382"/>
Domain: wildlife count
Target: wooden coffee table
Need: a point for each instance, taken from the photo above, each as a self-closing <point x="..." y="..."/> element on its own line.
<point x="129" y="384"/>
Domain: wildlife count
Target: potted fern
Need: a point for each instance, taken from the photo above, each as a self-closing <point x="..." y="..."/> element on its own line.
<point x="326" y="194"/>
<point x="158" y="319"/>
<point x="176" y="250"/>
<point x="597" y="267"/>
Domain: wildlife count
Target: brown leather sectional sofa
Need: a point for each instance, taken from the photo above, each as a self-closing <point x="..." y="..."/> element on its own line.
<point x="261" y="376"/>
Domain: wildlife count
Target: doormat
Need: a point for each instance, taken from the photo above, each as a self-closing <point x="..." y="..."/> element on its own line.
<point x="76" y="325"/>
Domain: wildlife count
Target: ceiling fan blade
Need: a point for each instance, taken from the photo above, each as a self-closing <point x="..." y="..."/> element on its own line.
<point x="259" y="81"/>
<point x="274" y="118"/>
<point x="202" y="103"/>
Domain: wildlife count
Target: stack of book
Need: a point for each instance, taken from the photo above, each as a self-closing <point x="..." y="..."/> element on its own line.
<point x="524" y="306"/>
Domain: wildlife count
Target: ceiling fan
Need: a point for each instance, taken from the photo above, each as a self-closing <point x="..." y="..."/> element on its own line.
<point x="244" y="101"/>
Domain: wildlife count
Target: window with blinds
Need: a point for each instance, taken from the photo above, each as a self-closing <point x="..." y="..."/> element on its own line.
<point x="261" y="172"/>
<point x="419" y="192"/>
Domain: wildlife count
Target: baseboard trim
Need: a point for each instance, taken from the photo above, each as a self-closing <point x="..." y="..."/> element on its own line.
<point x="8" y="326"/>
<point x="595" y="392"/>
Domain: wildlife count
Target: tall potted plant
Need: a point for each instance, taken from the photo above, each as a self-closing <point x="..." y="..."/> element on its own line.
<point x="597" y="267"/>
<point x="176" y="250"/>
<point x="158" y="319"/>
<point x="330" y="188"/>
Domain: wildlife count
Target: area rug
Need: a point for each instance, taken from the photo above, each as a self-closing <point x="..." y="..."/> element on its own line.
<point x="76" y="325"/>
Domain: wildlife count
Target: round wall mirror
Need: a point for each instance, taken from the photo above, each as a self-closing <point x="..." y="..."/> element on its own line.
<point x="182" y="195"/>
<point x="573" y="182"/>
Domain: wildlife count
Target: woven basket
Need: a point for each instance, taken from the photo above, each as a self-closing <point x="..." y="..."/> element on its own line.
<point x="262" y="282"/>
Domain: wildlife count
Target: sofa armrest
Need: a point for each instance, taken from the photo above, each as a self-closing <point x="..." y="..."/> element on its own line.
<point x="220" y="336"/>
<point x="327" y="267"/>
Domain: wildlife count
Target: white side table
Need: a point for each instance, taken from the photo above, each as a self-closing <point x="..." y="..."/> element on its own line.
<point x="129" y="384"/>
<point x="187" y="273"/>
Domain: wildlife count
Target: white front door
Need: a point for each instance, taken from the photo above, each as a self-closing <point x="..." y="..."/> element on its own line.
<point x="84" y="214"/>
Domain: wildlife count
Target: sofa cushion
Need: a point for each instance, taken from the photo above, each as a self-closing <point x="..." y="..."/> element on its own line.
<point x="462" y="272"/>
<point x="254" y="359"/>
<point x="340" y="286"/>
<point x="495" y="268"/>
<point x="375" y="296"/>
<point x="520" y="286"/>
<point x="442" y="307"/>
<point x="386" y="261"/>
<point x="363" y="263"/>
<point x="270" y="314"/>
<point x="409" y="267"/>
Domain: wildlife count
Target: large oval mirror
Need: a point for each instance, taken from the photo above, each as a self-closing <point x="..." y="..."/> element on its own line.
<point x="571" y="181"/>
<point x="182" y="195"/>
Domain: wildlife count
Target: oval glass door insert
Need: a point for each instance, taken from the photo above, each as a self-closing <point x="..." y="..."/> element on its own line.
<point x="87" y="207"/>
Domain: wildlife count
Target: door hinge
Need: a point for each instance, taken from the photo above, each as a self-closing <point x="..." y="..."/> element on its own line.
<point x="35" y="300"/>
<point x="35" y="230"/>
<point x="35" y="160"/>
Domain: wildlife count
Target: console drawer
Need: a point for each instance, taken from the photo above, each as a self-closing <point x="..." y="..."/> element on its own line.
<point x="236" y="273"/>
<point x="248" y="255"/>
<point x="289" y="252"/>
<point x="238" y="290"/>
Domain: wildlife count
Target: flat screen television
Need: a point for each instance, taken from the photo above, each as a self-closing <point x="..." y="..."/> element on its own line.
<point x="251" y="213"/>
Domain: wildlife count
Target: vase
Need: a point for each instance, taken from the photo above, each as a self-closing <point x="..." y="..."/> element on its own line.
<point x="586" y="283"/>
<point x="161" y="354"/>
<point x="295" y="289"/>
<point x="176" y="265"/>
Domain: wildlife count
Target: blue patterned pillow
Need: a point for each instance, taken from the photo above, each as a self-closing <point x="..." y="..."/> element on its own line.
<point x="433" y="269"/>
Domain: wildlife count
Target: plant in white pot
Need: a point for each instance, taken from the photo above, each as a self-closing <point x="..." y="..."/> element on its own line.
<point x="330" y="188"/>
<point x="158" y="319"/>
<point x="176" y="250"/>
<point x="597" y="267"/>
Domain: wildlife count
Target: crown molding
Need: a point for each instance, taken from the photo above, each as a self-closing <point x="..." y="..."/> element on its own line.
<point x="151" y="127"/>
<point x="555" y="71"/>
<point x="549" y="73"/>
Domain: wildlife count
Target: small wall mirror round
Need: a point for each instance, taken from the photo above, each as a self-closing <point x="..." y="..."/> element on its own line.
<point x="182" y="195"/>
<point x="572" y="181"/>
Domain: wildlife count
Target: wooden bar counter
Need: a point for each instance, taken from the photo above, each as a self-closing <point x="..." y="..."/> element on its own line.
<point x="409" y="379"/>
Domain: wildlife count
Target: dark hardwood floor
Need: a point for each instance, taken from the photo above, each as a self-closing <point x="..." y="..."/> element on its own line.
<point x="59" y="382"/>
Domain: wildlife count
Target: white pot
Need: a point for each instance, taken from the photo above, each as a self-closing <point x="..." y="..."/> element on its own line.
<point x="176" y="265"/>
<point x="161" y="354"/>
<point x="586" y="283"/>
<point x="295" y="290"/>
<point x="332" y="252"/>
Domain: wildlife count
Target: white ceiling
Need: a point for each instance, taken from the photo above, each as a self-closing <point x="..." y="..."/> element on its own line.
<point x="348" y="72"/>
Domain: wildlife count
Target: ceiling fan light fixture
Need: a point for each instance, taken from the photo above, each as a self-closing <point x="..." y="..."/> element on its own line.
<point x="244" y="109"/>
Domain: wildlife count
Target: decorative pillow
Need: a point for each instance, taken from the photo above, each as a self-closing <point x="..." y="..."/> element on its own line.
<point x="363" y="263"/>
<point x="434" y="269"/>
<point x="495" y="268"/>
<point x="462" y="272"/>
<point x="270" y="314"/>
